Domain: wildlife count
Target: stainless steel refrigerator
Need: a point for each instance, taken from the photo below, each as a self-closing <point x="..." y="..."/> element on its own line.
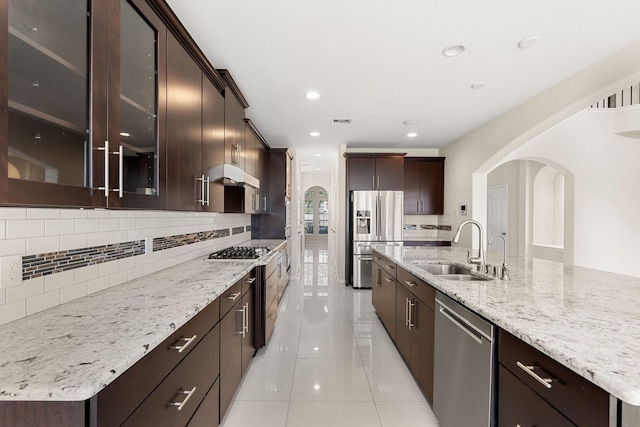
<point x="377" y="220"/>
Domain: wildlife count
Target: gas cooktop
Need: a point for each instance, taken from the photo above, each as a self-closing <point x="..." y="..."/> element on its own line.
<point x="240" y="252"/>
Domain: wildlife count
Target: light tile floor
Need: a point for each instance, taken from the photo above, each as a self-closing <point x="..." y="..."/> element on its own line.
<point x="329" y="362"/>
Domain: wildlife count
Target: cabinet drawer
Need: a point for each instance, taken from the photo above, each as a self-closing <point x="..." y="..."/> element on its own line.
<point x="271" y="317"/>
<point x="176" y="399"/>
<point x="271" y="289"/>
<point x="385" y="264"/>
<point x="418" y="287"/>
<point x="123" y="395"/>
<point x="208" y="412"/>
<point x="578" y="399"/>
<point x="518" y="405"/>
<point x="248" y="281"/>
<point x="229" y="298"/>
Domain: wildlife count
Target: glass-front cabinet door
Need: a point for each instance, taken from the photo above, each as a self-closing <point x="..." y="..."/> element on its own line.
<point x="80" y="85"/>
<point x="142" y="39"/>
<point x="48" y="91"/>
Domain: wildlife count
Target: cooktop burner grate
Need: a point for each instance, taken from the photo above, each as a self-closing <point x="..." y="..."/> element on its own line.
<point x="240" y="252"/>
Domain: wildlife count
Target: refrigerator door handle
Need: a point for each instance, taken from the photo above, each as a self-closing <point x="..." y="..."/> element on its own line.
<point x="379" y="208"/>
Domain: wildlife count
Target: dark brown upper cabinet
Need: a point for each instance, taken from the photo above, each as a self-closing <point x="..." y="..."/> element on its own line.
<point x="424" y="186"/>
<point x="81" y="101"/>
<point x="256" y="165"/>
<point x="375" y="171"/>
<point x="234" y="126"/>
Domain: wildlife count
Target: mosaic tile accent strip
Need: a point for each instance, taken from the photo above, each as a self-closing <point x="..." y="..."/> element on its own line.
<point x="55" y="262"/>
<point x="237" y="230"/>
<point x="247" y="228"/>
<point x="162" y="243"/>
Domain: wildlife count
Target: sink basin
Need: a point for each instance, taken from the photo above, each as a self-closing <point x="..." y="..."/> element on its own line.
<point x="462" y="277"/>
<point x="451" y="272"/>
<point x="445" y="269"/>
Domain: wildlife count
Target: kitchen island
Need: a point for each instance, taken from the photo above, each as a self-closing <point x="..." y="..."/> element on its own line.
<point x="587" y="320"/>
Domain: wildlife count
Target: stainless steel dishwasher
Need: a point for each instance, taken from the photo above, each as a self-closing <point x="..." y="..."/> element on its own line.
<point x="463" y="366"/>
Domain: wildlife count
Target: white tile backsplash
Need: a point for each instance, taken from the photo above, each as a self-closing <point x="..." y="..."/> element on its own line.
<point x="39" y="245"/>
<point x="59" y="226"/>
<point x="73" y="292"/>
<point x="28" y="289"/>
<point x="25" y="228"/>
<point x="32" y="231"/>
<point x="43" y="301"/>
<point x="13" y="311"/>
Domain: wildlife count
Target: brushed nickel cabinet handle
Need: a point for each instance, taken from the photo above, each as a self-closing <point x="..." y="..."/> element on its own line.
<point x="272" y="316"/>
<point x="412" y="284"/>
<point x="180" y="405"/>
<point x="410" y="308"/>
<point x="251" y="280"/>
<point x="386" y="279"/>
<point x="529" y="370"/>
<point x="233" y="297"/>
<point x="184" y="346"/>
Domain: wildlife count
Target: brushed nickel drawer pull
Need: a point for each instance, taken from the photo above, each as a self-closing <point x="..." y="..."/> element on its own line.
<point x="386" y="279"/>
<point x="233" y="297"/>
<point x="391" y="267"/>
<point x="184" y="346"/>
<point x="529" y="370"/>
<point x="272" y="316"/>
<point x="412" y="284"/>
<point x="251" y="280"/>
<point x="180" y="405"/>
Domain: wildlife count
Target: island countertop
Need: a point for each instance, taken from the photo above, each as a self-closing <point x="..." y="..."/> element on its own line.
<point x="73" y="351"/>
<point x="586" y="319"/>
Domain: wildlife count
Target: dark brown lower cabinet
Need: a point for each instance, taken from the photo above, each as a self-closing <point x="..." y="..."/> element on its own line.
<point x="521" y="406"/>
<point x="208" y="412"/>
<point x="387" y="302"/>
<point x="178" y="396"/>
<point x="231" y="355"/>
<point x="414" y="337"/>
<point x="50" y="414"/>
<point x="248" y="336"/>
<point x="524" y="369"/>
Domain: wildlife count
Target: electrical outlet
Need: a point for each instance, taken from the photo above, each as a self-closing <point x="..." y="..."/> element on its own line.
<point x="10" y="271"/>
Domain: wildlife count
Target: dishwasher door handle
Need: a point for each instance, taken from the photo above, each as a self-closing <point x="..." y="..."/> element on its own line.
<point x="461" y="324"/>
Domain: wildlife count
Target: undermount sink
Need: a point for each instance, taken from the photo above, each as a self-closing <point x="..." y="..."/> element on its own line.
<point x="451" y="272"/>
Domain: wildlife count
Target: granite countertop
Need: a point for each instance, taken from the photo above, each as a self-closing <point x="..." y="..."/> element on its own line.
<point x="73" y="351"/>
<point x="586" y="319"/>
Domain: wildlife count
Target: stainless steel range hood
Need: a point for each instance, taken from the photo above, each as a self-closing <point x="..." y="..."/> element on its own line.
<point x="232" y="175"/>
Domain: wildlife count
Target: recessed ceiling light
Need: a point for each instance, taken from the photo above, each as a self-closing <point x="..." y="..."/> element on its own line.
<point x="317" y="169"/>
<point x="453" y="50"/>
<point x="125" y="134"/>
<point x="411" y="122"/>
<point x="318" y="155"/>
<point x="528" y="42"/>
<point x="312" y="94"/>
<point x="314" y="133"/>
<point x="478" y="85"/>
<point x="412" y="135"/>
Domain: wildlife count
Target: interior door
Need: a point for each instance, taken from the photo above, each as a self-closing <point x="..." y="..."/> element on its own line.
<point x="497" y="220"/>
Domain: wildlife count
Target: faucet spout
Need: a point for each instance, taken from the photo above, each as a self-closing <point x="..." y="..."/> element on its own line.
<point x="479" y="260"/>
<point x="505" y="270"/>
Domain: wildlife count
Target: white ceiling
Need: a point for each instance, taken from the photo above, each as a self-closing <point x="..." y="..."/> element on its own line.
<point x="380" y="62"/>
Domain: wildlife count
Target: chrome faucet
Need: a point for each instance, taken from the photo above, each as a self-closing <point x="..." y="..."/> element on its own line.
<point x="504" y="274"/>
<point x="479" y="260"/>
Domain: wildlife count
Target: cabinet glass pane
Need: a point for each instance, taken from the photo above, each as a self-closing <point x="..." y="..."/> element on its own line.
<point x="48" y="90"/>
<point x="138" y="101"/>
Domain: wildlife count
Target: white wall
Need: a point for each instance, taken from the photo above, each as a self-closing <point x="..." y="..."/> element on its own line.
<point x="606" y="200"/>
<point x="472" y="156"/>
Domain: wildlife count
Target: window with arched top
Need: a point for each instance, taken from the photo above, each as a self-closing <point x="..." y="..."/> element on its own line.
<point x="316" y="212"/>
<point x="548" y="208"/>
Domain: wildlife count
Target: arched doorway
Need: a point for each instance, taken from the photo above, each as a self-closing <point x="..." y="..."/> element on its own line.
<point x="316" y="214"/>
